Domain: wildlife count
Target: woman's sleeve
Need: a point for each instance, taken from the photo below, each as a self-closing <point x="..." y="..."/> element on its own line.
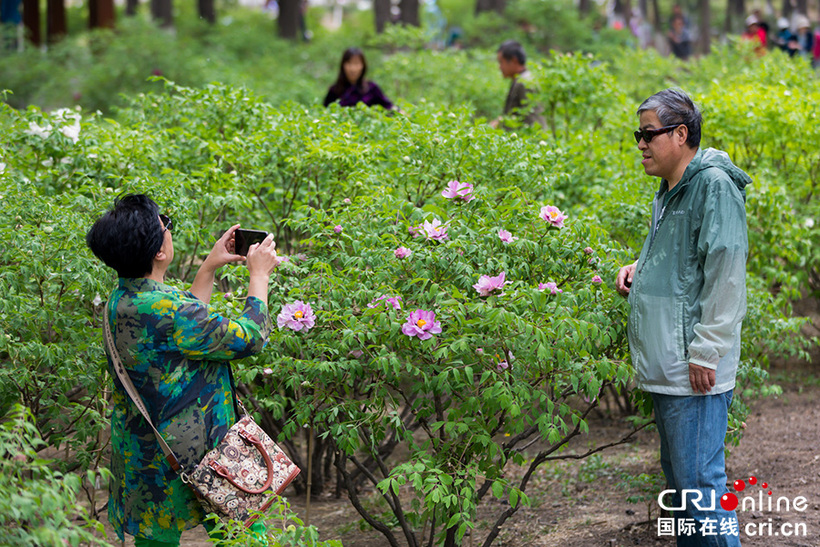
<point x="331" y="97"/>
<point x="200" y="333"/>
<point x="380" y="98"/>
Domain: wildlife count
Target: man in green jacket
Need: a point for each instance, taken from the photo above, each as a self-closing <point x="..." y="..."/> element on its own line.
<point x="687" y="293"/>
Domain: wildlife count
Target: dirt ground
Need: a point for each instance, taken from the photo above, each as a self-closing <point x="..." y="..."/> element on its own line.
<point x="584" y="503"/>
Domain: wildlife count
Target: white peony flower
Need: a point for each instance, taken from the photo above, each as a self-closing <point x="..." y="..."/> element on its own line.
<point x="72" y="131"/>
<point x="42" y="132"/>
<point x="97" y="300"/>
<point x="808" y="224"/>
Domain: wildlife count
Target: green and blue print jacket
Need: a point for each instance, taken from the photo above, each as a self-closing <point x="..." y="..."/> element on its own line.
<point x="176" y="351"/>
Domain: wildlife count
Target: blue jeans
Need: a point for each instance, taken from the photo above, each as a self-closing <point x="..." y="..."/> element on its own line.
<point x="693" y="431"/>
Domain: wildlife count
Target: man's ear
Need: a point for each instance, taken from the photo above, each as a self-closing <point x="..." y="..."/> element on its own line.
<point x="681" y="134"/>
<point x="160" y="256"/>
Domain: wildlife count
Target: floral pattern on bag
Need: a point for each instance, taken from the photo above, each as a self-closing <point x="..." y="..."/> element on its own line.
<point x="246" y="465"/>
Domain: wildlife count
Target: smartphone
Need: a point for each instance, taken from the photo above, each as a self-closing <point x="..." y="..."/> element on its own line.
<point x="243" y="239"/>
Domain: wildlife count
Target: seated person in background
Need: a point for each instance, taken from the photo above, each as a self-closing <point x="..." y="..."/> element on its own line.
<point x="804" y="37"/>
<point x="785" y="37"/>
<point x="755" y="33"/>
<point x="351" y="87"/>
<point x="680" y="41"/>
<point x="512" y="64"/>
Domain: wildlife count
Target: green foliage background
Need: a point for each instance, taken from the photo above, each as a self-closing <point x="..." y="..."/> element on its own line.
<point x="259" y="149"/>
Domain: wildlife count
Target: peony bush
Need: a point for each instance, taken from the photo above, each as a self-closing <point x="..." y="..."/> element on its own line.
<point x="446" y="302"/>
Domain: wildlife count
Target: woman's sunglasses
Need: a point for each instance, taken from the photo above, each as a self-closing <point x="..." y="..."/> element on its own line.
<point x="648" y="134"/>
<point x="167" y="222"/>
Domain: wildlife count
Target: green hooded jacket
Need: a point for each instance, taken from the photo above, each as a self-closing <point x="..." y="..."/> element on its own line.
<point x="688" y="294"/>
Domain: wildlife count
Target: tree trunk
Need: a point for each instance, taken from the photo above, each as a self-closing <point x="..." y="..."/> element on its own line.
<point x="207" y="10"/>
<point x="704" y="27"/>
<point x="584" y="7"/>
<point x="494" y="5"/>
<point x="131" y="7"/>
<point x="409" y="10"/>
<point x="656" y="17"/>
<point x="55" y="20"/>
<point x="101" y="14"/>
<point x="162" y="11"/>
<point x="381" y="9"/>
<point x="289" y="19"/>
<point x="737" y="12"/>
<point x="786" y="9"/>
<point x="802" y="7"/>
<point x="31" y="20"/>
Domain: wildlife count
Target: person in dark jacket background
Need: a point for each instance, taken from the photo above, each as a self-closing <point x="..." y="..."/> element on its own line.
<point x="352" y="86"/>
<point x="512" y="62"/>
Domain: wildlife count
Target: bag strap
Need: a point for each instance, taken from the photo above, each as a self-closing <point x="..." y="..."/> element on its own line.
<point x="133" y="394"/>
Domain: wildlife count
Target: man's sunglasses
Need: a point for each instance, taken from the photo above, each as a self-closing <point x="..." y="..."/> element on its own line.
<point x="648" y="134"/>
<point x="167" y="222"/>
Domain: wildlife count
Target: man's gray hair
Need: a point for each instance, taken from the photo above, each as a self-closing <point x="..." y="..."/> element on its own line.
<point x="511" y="49"/>
<point x="673" y="106"/>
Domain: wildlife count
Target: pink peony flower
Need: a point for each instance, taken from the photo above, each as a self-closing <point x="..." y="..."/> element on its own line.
<point x="487" y="284"/>
<point x="553" y="215"/>
<point x="501" y="363"/>
<point x="479" y="350"/>
<point x="268" y="371"/>
<point x="338" y="228"/>
<point x="435" y="231"/>
<point x="588" y="250"/>
<point x="550" y="286"/>
<point x="422" y="324"/>
<point x="296" y="316"/>
<point x="346" y="200"/>
<point x="402" y="252"/>
<point x="506" y="236"/>
<point x="459" y="190"/>
<point x="597" y="279"/>
<point x="414" y="230"/>
<point x="393" y="301"/>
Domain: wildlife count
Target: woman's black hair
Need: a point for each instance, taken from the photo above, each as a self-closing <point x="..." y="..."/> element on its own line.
<point x="341" y="82"/>
<point x="128" y="237"/>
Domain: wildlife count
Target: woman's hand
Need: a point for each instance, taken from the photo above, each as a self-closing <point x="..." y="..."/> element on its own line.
<point x="262" y="258"/>
<point x="224" y="250"/>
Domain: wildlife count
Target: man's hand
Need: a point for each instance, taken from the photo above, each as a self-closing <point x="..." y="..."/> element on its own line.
<point x="701" y="379"/>
<point x="624" y="280"/>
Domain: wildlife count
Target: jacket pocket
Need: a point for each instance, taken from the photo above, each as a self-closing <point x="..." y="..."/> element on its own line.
<point x="681" y="344"/>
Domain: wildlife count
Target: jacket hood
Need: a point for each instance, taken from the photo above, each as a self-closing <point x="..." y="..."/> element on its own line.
<point x="709" y="158"/>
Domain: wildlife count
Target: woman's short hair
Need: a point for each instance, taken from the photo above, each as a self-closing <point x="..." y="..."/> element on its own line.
<point x="341" y="83"/>
<point x="673" y="106"/>
<point x="128" y="237"/>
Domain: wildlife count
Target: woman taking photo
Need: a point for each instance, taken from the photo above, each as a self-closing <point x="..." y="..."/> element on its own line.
<point x="352" y="87"/>
<point x="176" y="352"/>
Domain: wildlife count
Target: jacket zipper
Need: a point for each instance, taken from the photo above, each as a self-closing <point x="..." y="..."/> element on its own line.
<point x="652" y="241"/>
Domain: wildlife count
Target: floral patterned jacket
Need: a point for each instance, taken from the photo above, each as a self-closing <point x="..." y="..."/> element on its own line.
<point x="176" y="352"/>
